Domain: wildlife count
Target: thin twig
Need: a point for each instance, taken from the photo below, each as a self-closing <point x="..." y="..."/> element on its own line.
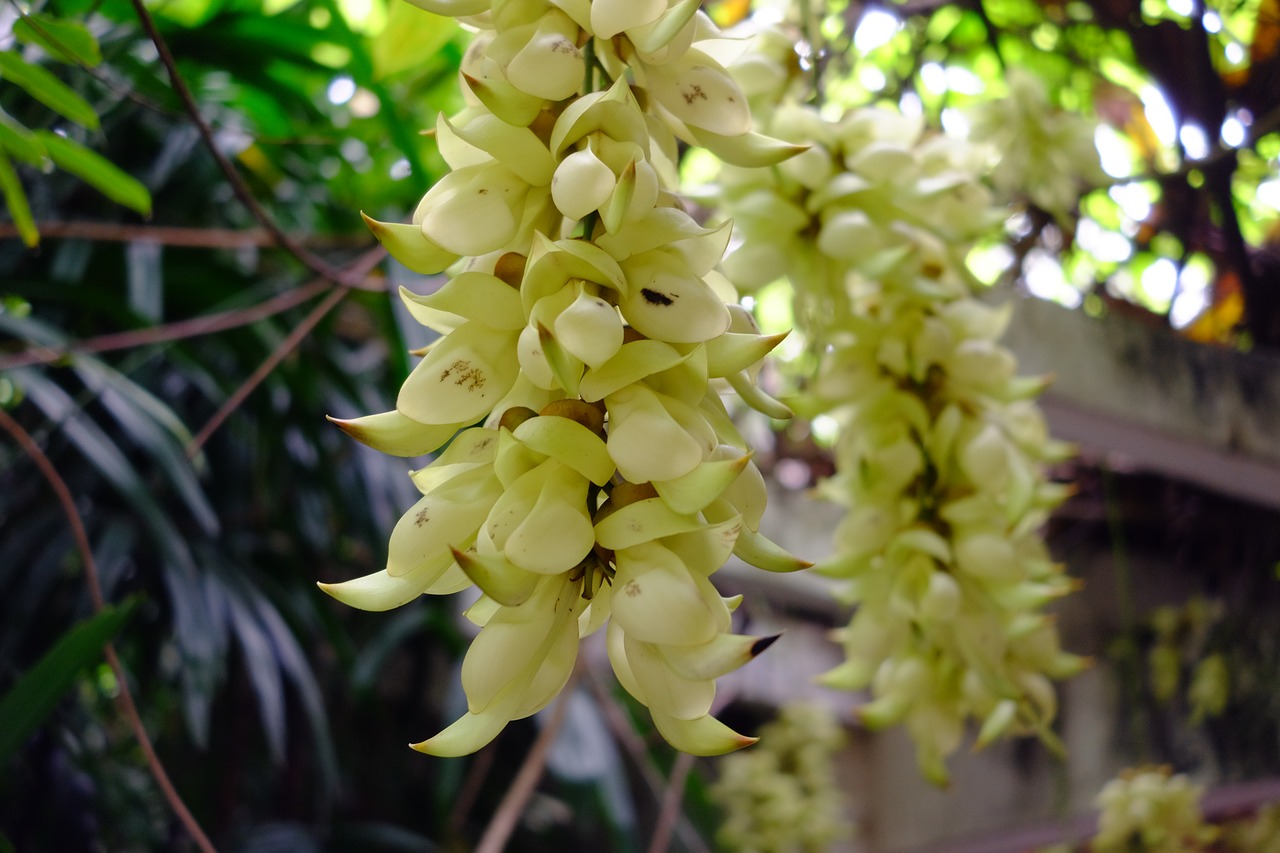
<point x="315" y="263"/>
<point x="499" y="830"/>
<point x="471" y="786"/>
<point x="272" y="361"/>
<point x="357" y="268"/>
<point x="124" y="698"/>
<point x="194" y="327"/>
<point x="670" y="811"/>
<point x="168" y="235"/>
<point x="635" y="747"/>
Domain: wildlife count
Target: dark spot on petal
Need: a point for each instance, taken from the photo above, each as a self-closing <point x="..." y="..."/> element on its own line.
<point x="693" y="93"/>
<point x="653" y="297"/>
<point x="421" y="518"/>
<point x="632" y="589"/>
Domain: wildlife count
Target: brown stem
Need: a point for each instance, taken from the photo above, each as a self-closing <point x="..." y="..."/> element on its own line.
<point x="313" y="262"/>
<point x="168" y="235"/>
<point x="264" y="370"/>
<point x="357" y="269"/>
<point x="124" y="697"/>
<point x="670" y="812"/>
<point x="194" y="327"/>
<point x="499" y="830"/>
<point x="622" y="731"/>
<point x="471" y="785"/>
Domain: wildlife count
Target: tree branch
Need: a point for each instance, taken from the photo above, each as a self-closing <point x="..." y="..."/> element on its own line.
<point x="499" y="830"/>
<point x="168" y="235"/>
<point x="196" y="326"/>
<point x="670" y="812"/>
<point x="124" y="698"/>
<point x="623" y="732"/>
<point x="313" y="262"/>
<point x="357" y="269"/>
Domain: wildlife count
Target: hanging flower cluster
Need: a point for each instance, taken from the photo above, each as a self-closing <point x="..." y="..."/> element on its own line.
<point x="941" y="446"/>
<point x="593" y="475"/>
<point x="782" y="796"/>
<point x="1152" y="810"/>
<point x="1181" y="658"/>
<point x="1044" y="153"/>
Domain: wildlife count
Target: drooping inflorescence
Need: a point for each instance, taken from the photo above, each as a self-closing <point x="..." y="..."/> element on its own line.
<point x="783" y="796"/>
<point x="1151" y="809"/>
<point x="941" y="447"/>
<point x="593" y="476"/>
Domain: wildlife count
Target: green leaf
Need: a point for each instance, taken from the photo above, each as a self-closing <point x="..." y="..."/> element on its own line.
<point x="38" y="692"/>
<point x="47" y="89"/>
<point x="97" y="171"/>
<point x="409" y="36"/>
<point x="19" y="142"/>
<point x="16" y="200"/>
<point x="65" y="41"/>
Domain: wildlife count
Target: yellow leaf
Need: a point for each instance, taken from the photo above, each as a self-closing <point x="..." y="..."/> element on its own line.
<point x="1217" y="323"/>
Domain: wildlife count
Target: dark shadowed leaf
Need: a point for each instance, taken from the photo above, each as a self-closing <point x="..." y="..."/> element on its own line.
<point x="97" y="171"/>
<point x="379" y="837"/>
<point x="38" y="691"/>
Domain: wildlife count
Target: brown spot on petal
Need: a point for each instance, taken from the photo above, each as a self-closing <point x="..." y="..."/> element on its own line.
<point x="421" y="518"/>
<point x="464" y="374"/>
<point x="654" y="297"/>
<point x="632" y="589"/>
<point x="693" y="93"/>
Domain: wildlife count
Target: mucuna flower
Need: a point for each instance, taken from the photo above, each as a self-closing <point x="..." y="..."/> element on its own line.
<point x="592" y="475"/>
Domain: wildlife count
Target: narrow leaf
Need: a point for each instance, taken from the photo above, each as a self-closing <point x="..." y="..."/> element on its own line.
<point x="262" y="668"/>
<point x="38" y="692"/>
<point x="47" y="89"/>
<point x="97" y="171"/>
<point x="16" y="200"/>
<point x="297" y="669"/>
<point x="18" y="141"/>
<point x="65" y="41"/>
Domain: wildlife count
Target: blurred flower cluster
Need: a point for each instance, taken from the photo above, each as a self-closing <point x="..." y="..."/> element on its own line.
<point x="782" y="796"/>
<point x="941" y="448"/>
